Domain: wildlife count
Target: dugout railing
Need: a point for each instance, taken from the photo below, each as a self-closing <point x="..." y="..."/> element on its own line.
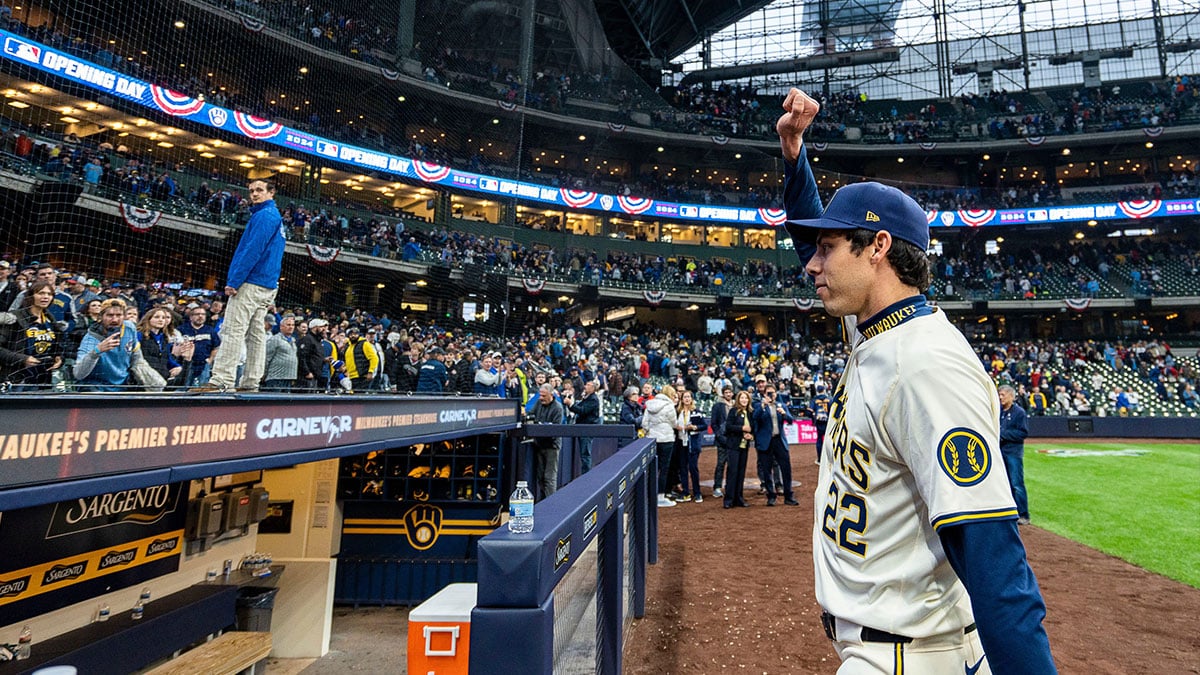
<point x="560" y="598"/>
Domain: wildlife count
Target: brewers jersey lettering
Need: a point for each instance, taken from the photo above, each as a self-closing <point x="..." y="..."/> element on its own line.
<point x="879" y="561"/>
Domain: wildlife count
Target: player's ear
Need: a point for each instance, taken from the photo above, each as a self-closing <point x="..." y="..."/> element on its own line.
<point x="882" y="244"/>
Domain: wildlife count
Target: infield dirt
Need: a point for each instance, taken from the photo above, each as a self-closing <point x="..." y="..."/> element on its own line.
<point x="732" y="593"/>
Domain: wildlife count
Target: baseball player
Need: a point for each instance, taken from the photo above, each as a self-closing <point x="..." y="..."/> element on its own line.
<point x="919" y="566"/>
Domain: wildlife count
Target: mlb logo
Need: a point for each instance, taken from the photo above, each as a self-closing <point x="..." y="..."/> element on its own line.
<point x="327" y="149"/>
<point x="22" y="50"/>
<point x="490" y="184"/>
<point x="689" y="211"/>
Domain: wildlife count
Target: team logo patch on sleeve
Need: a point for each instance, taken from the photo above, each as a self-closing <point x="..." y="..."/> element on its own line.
<point x="964" y="456"/>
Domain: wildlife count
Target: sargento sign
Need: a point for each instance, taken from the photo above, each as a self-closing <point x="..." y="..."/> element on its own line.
<point x="23" y="51"/>
<point x="63" y="442"/>
<point x="144" y="506"/>
<point x="74" y="550"/>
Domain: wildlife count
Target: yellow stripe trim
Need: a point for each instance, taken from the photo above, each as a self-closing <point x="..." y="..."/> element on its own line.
<point x="938" y="524"/>
<point x="37" y="573"/>
<point x="401" y="530"/>
<point x="400" y="522"/>
<point x="899" y="667"/>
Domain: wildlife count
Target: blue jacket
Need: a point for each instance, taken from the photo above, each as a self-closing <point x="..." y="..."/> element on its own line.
<point x="432" y="376"/>
<point x="107" y="371"/>
<point x="1014" y="427"/>
<point x="259" y="255"/>
<point x="761" y="422"/>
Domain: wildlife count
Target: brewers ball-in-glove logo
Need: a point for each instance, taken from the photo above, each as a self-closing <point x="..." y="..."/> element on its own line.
<point x="422" y="524"/>
<point x="964" y="456"/>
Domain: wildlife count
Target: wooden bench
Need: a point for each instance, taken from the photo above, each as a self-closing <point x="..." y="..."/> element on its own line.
<point x="230" y="653"/>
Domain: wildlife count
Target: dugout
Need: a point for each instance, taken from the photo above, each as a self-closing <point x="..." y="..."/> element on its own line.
<point x="107" y="495"/>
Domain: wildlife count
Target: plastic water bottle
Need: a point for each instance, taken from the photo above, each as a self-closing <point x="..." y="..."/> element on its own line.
<point x="25" y="644"/>
<point x="103" y="612"/>
<point x="139" y="609"/>
<point x="144" y="598"/>
<point x="520" y="509"/>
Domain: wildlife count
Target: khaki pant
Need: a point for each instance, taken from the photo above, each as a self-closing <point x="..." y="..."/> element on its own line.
<point x="244" y="317"/>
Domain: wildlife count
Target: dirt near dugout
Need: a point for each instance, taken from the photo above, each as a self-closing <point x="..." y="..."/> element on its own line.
<point x="732" y="593"/>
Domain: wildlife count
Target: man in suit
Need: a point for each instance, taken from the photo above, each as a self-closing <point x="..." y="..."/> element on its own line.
<point x="769" y="418"/>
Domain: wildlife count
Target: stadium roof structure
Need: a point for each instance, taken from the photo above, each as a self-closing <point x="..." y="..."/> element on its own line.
<point x="659" y="30"/>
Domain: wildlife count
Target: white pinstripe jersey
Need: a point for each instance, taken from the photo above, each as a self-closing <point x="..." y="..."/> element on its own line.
<point x="912" y="446"/>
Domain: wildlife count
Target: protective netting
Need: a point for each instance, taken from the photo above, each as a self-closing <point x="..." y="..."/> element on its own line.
<point x="132" y="130"/>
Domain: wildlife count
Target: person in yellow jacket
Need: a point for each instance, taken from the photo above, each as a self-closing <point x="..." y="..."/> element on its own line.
<point x="361" y="359"/>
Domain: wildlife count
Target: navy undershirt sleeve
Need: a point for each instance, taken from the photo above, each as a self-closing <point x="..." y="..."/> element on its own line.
<point x="989" y="558"/>
<point x="802" y="202"/>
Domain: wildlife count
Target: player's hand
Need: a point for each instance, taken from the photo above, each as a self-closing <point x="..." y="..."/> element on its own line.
<point x="799" y="111"/>
<point x="230" y="291"/>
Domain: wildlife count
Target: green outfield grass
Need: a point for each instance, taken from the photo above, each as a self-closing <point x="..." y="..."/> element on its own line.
<point x="1143" y="509"/>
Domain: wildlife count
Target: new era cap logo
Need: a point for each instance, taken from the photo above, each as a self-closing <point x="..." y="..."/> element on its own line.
<point x="871" y="217"/>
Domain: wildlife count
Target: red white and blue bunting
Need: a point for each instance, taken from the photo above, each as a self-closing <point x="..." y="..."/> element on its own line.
<point x="819" y="147"/>
<point x="323" y="255"/>
<point x="720" y="140"/>
<point x="1153" y="132"/>
<point x="1078" y="304"/>
<point x="533" y="286"/>
<point x="655" y="298"/>
<point x="1140" y="208"/>
<point x="804" y="304"/>
<point x="613" y="126"/>
<point x="507" y="105"/>
<point x="252" y="25"/>
<point x="928" y="146"/>
<point x="1035" y="140"/>
<point x="389" y="75"/>
<point x="139" y="219"/>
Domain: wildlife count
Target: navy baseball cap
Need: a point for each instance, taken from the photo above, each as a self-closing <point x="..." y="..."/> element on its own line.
<point x="875" y="207"/>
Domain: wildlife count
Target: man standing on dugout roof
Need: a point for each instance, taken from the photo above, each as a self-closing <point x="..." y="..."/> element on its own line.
<point x="919" y="566"/>
<point x="251" y="285"/>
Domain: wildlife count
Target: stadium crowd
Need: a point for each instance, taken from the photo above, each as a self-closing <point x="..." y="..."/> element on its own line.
<point x="1029" y="270"/>
<point x="54" y="337"/>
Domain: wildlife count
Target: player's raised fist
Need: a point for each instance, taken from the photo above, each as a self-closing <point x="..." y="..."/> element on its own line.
<point x="799" y="110"/>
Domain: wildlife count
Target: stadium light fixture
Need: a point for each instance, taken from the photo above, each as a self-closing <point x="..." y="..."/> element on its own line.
<point x="180" y="24"/>
<point x="303" y="70"/>
<point x="582" y="137"/>
<point x="660" y="149"/>
<point x="422" y="282"/>
<point x="18" y="104"/>
<point x="1066" y="152"/>
<point x="1149" y="144"/>
<point x="70" y="120"/>
<point x="900" y="160"/>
